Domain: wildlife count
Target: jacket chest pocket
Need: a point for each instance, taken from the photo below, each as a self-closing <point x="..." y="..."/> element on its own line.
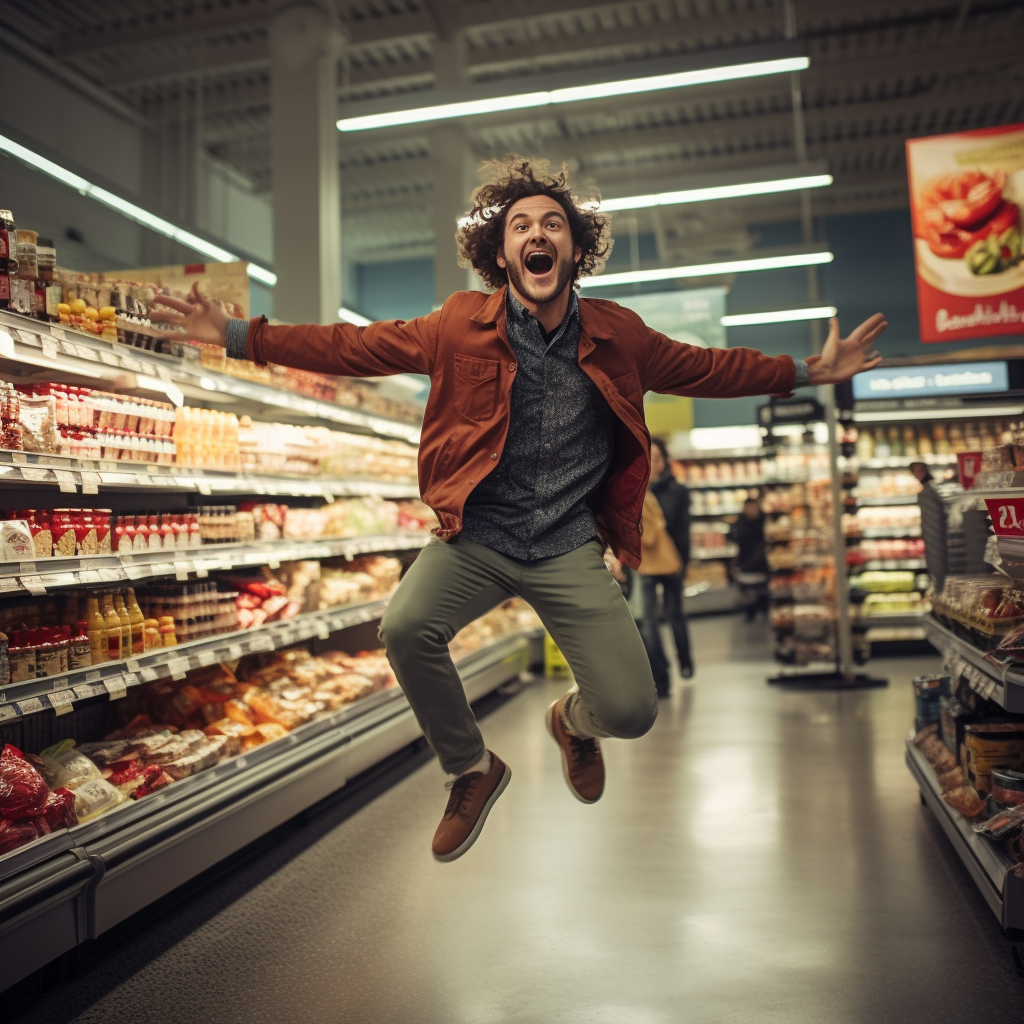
<point x="476" y="387"/>
<point x="628" y="385"/>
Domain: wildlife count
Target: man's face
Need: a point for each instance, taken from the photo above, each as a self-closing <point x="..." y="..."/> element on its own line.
<point x="538" y="251"/>
<point x="657" y="462"/>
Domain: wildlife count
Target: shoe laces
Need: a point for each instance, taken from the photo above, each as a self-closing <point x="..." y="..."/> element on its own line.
<point x="584" y="752"/>
<point x="459" y="791"/>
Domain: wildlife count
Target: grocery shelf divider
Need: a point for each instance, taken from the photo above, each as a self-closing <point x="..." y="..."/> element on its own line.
<point x="38" y="575"/>
<point x="115" y="677"/>
<point x="991" y="869"/>
<point x="1002" y="682"/>
<point x="104" y="359"/>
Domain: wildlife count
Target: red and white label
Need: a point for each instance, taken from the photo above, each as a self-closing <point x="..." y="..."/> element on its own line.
<point x="1007" y="516"/>
<point x="969" y="466"/>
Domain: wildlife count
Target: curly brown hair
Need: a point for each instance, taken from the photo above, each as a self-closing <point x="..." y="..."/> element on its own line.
<point x="481" y="232"/>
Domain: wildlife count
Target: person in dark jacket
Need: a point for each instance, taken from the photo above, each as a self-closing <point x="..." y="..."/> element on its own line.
<point x="750" y="569"/>
<point x="674" y="499"/>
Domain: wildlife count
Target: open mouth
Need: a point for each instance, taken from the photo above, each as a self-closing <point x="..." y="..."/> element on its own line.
<point x="539" y="262"/>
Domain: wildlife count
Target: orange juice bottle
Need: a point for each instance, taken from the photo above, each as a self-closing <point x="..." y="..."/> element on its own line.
<point x="97" y="630"/>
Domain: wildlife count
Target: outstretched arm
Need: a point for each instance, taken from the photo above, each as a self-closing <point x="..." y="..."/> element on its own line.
<point x="677" y="369"/>
<point x="386" y="347"/>
<point x="843" y="358"/>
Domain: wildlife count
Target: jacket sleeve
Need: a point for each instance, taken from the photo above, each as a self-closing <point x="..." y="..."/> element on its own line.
<point x="379" y="349"/>
<point x="674" y="368"/>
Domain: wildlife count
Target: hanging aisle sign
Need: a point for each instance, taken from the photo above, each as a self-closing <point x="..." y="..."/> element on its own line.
<point x="966" y="195"/>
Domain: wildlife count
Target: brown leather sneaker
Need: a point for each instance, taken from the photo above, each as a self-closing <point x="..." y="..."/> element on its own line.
<point x="582" y="764"/>
<point x="469" y="801"/>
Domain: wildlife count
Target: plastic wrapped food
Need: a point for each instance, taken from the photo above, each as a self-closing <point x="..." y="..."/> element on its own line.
<point x="17" y="543"/>
<point x="97" y="797"/>
<point x="59" y="810"/>
<point x="68" y="769"/>
<point x="38" y="417"/>
<point x="966" y="800"/>
<point x="1008" y="786"/>
<point x="23" y="791"/>
<point x="1004" y="824"/>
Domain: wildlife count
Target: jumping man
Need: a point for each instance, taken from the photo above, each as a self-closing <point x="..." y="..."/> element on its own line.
<point x="534" y="456"/>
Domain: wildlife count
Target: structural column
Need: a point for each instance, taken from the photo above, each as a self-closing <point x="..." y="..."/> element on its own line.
<point x="454" y="175"/>
<point x="304" y="45"/>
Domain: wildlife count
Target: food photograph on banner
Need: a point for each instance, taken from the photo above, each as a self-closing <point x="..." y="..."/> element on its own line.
<point x="966" y="195"/>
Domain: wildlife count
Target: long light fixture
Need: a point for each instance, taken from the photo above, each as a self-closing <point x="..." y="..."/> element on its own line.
<point x="701" y="195"/>
<point x="130" y="210"/>
<point x="805" y="259"/>
<point x="572" y="94"/>
<point x="350" y="316"/>
<point x="778" y="316"/>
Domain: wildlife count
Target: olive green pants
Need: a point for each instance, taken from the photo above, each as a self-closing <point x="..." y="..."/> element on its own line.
<point x="451" y="584"/>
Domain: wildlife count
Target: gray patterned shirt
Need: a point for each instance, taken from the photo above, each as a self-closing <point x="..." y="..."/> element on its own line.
<point x="558" y="449"/>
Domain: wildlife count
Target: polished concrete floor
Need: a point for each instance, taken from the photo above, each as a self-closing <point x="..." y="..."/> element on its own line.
<point x="760" y="857"/>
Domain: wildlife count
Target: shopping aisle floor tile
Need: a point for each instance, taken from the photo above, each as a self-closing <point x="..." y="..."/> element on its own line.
<point x="760" y="857"/>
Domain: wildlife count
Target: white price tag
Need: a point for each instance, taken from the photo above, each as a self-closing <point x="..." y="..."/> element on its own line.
<point x="83" y="690"/>
<point x="136" y="572"/>
<point x="19" y="458"/>
<point x="234" y="652"/>
<point x="263" y="642"/>
<point x="131" y="679"/>
<point x="203" y="486"/>
<point x="242" y="762"/>
<point x="149" y="674"/>
<point x="115" y="686"/>
<point x="206" y="657"/>
<point x="177" y="667"/>
<point x="90" y="483"/>
<point x="329" y="497"/>
<point x="132" y="663"/>
<point x="33" y="584"/>
<point x="30" y="706"/>
<point x="323" y="631"/>
<point x="8" y="711"/>
<point x="35" y="474"/>
<point x="92" y="676"/>
<point x="181" y="570"/>
<point x="274" y="563"/>
<point x="26" y="567"/>
<point x="58" y="334"/>
<point x="49" y="348"/>
<point x="61" y="700"/>
<point x="202" y="572"/>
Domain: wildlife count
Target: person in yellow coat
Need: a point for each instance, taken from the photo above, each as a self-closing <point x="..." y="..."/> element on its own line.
<point x="660" y="563"/>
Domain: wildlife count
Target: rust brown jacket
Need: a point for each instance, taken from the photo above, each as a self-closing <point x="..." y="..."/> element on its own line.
<point x="464" y="349"/>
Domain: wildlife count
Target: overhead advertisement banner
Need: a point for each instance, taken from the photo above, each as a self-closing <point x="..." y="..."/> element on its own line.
<point x="692" y="315"/>
<point x="966" y="193"/>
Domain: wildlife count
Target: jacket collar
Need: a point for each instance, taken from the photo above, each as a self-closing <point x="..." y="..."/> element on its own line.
<point x="593" y="322"/>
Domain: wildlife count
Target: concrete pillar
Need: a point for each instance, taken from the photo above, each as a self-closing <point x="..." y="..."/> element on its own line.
<point x="454" y="173"/>
<point x="304" y="46"/>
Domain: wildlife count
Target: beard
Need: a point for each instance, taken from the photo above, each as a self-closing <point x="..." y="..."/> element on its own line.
<point x="524" y="282"/>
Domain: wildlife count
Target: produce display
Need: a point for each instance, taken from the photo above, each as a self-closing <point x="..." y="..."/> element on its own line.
<point x="985" y="610"/>
<point x="720" y="471"/>
<point x="909" y="441"/>
<point x="169" y="730"/>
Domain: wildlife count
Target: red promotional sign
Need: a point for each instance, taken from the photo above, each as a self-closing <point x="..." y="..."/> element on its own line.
<point x="1007" y="516"/>
<point x="966" y="194"/>
<point x="968" y="465"/>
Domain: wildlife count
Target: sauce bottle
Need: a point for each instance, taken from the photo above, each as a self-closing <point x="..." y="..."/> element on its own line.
<point x="115" y="639"/>
<point x="80" y="650"/>
<point x="137" y="621"/>
<point x="126" y="623"/>
<point x="97" y="628"/>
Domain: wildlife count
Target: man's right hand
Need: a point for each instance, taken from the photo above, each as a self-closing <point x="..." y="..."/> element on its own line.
<point x="201" y="319"/>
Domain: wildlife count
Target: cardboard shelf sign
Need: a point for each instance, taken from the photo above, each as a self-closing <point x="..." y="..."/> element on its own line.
<point x="966" y="196"/>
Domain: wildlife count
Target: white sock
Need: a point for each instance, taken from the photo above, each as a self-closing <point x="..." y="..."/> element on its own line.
<point x="483" y="765"/>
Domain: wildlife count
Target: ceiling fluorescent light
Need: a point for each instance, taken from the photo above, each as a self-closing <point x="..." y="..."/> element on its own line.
<point x="130" y="210"/>
<point x="806" y="259"/>
<point x="572" y="94"/>
<point x="351" y="317"/>
<point x="701" y="195"/>
<point x="778" y="316"/>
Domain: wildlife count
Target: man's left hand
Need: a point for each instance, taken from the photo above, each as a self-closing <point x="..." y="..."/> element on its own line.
<point x="842" y="358"/>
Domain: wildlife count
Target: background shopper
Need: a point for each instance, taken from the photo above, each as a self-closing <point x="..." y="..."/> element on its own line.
<point x="666" y="552"/>
<point x="750" y="569"/>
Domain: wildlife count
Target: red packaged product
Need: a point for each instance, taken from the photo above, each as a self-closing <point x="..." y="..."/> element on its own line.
<point x="59" y="811"/>
<point x="23" y="791"/>
<point x="16" y="833"/>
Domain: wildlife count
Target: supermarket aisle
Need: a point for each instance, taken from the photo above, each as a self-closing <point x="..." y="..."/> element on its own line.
<point x="760" y="857"/>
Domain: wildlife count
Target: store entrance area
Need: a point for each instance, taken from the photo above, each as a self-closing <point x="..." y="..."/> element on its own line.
<point x="761" y="856"/>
